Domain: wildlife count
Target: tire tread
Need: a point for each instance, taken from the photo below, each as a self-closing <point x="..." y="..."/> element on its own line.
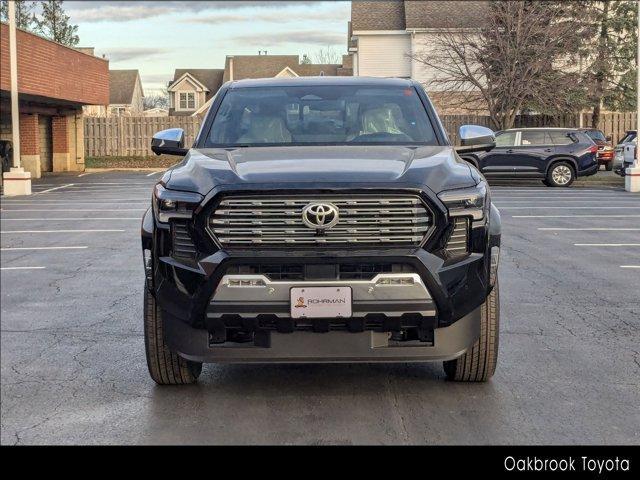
<point x="479" y="363"/>
<point x="165" y="366"/>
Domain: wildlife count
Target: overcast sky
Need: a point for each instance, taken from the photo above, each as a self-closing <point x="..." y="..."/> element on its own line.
<point x="158" y="37"/>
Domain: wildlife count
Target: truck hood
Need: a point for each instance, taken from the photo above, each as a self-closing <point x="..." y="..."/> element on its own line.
<point x="435" y="167"/>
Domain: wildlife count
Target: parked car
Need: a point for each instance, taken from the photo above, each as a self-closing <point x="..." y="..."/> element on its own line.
<point x="556" y="155"/>
<point x="625" y="151"/>
<point x="6" y="156"/>
<point x="322" y="219"/>
<point x="605" y="149"/>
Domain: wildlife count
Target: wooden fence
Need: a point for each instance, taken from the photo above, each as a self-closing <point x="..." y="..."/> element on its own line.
<point x="131" y="136"/>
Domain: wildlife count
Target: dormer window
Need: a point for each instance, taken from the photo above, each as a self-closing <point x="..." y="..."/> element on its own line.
<point x="187" y="100"/>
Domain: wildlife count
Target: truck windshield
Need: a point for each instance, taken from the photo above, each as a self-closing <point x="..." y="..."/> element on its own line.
<point x="321" y="115"/>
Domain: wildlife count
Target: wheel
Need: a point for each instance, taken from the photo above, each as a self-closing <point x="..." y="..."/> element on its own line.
<point x="560" y="175"/>
<point x="165" y="367"/>
<point x="478" y="364"/>
<point x="608" y="166"/>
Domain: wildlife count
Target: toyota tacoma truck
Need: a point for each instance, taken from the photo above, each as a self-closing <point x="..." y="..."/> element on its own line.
<point x="321" y="220"/>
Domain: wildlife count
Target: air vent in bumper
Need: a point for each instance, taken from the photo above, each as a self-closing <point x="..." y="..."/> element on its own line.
<point x="276" y="221"/>
<point x="183" y="248"/>
<point x="458" y="243"/>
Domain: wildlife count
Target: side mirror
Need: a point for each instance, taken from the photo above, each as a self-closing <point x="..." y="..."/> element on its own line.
<point x="608" y="138"/>
<point x="169" y="142"/>
<point x="474" y="138"/>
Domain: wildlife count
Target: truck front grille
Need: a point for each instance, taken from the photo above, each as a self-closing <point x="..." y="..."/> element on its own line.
<point x="276" y="221"/>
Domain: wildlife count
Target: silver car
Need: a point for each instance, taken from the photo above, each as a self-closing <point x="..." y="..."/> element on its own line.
<point x="625" y="151"/>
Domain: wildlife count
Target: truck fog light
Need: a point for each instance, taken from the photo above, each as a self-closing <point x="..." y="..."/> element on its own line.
<point x="493" y="269"/>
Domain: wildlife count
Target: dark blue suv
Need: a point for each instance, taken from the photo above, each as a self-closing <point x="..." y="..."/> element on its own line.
<point x="555" y="155"/>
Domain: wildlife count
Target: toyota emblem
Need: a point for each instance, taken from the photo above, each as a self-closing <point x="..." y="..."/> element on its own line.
<point x="320" y="216"/>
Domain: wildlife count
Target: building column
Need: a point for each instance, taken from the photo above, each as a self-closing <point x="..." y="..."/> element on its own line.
<point x="60" y="143"/>
<point x="76" y="140"/>
<point x="30" y="144"/>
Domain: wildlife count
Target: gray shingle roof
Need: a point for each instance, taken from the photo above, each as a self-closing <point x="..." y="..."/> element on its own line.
<point x="409" y="14"/>
<point x="267" y="66"/>
<point x="377" y="15"/>
<point x="449" y="14"/>
<point x="209" y="77"/>
<point x="122" y="84"/>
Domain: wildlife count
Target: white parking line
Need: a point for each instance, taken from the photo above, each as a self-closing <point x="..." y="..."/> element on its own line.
<point x="68" y="218"/>
<point x="68" y="198"/>
<point x="591" y="198"/>
<point x="582" y="202"/>
<point x="60" y="231"/>
<point x="606" y="244"/>
<point x="629" y="266"/>
<point x="84" y="174"/>
<point x="124" y="182"/>
<point x="567" y="208"/>
<point x="41" y="248"/>
<point x="54" y="188"/>
<point x="575" y="216"/>
<point x="62" y="204"/>
<point x="153" y="173"/>
<point x="22" y="268"/>
<point x="591" y="229"/>
<point x="74" y="210"/>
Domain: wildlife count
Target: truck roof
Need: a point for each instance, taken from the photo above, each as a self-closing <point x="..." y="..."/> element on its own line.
<point x="324" y="80"/>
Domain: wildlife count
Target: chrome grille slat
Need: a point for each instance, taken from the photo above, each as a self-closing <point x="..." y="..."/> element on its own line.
<point x="364" y="219"/>
<point x="459" y="239"/>
<point x="183" y="247"/>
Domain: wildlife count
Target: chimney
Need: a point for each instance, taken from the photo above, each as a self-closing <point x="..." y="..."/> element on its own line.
<point x="87" y="50"/>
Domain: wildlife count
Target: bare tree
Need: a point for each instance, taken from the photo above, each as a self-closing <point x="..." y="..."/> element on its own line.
<point x="157" y="100"/>
<point x="521" y="57"/>
<point x="328" y="56"/>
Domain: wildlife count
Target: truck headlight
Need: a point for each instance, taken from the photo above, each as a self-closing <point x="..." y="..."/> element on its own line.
<point x="168" y="204"/>
<point x="471" y="201"/>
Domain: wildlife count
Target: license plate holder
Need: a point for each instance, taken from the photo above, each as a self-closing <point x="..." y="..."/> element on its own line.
<point x="321" y="302"/>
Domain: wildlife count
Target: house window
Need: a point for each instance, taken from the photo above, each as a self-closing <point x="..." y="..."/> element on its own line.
<point x="187" y="100"/>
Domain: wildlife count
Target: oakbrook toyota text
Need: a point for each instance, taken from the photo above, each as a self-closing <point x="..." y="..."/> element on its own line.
<point x="569" y="464"/>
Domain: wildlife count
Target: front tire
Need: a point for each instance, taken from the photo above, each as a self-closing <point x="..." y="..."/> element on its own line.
<point x="165" y="366"/>
<point x="560" y="174"/>
<point x="478" y="364"/>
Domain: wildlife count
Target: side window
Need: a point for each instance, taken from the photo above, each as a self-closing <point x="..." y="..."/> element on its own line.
<point x="560" y="138"/>
<point x="535" y="137"/>
<point x="506" y="139"/>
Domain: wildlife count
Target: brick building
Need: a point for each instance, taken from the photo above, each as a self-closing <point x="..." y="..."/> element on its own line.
<point x="54" y="82"/>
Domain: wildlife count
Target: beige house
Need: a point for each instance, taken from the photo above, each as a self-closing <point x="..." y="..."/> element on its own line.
<point x="125" y="96"/>
<point x="190" y="89"/>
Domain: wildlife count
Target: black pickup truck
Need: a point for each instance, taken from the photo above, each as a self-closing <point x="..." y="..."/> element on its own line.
<point x="321" y="220"/>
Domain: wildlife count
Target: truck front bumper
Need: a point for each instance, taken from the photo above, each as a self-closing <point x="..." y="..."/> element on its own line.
<point x="330" y="347"/>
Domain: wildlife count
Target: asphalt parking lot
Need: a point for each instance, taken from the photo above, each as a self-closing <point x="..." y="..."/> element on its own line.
<point x="72" y="352"/>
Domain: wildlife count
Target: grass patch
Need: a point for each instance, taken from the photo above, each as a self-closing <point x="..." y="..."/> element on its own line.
<point x="151" y="161"/>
